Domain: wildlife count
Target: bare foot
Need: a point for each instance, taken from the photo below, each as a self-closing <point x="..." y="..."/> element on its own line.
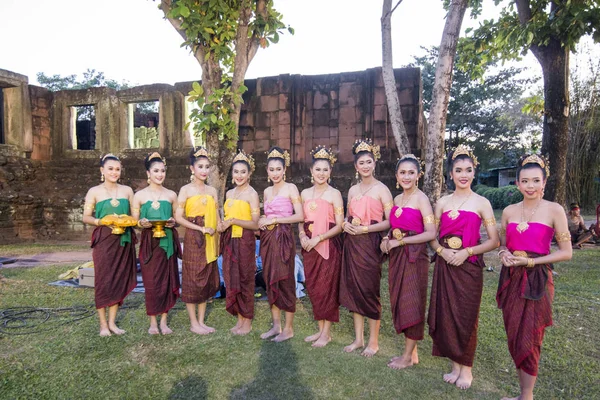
<point x="415" y="357"/>
<point x="400" y="363"/>
<point x="369" y="351"/>
<point x="284" y="335"/>
<point x="208" y="328"/>
<point x="312" y="338"/>
<point x="353" y="346"/>
<point x="322" y="342"/>
<point x="275" y="330"/>
<point x="465" y="379"/>
<point x="153" y="331"/>
<point x="244" y="329"/>
<point x="116" y="330"/>
<point x="510" y="398"/>
<point x="453" y="375"/>
<point x="166" y="330"/>
<point x="199" y="330"/>
<point x="105" y="331"/>
<point x="236" y="327"/>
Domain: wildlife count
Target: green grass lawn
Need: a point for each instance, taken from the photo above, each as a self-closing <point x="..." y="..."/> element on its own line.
<point x="71" y="361"/>
<point x="13" y="250"/>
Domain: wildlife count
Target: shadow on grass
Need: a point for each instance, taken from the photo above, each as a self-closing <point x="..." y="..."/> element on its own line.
<point x="278" y="376"/>
<point x="192" y="387"/>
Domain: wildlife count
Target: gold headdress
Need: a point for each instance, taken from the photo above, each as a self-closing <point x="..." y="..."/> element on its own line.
<point x="242" y="156"/>
<point x="464" y="150"/>
<point x="539" y="160"/>
<point x="321" y="153"/>
<point x="108" y="155"/>
<point x="157" y="155"/>
<point x="412" y="157"/>
<point x="277" y="154"/>
<point x="200" y="152"/>
<point x="367" y="145"/>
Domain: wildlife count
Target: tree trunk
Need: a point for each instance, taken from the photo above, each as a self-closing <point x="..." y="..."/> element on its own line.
<point x="389" y="81"/>
<point x="434" y="153"/>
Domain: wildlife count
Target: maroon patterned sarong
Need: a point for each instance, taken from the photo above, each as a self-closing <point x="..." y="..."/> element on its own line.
<point x="360" y="279"/>
<point x="200" y="281"/>
<point x="323" y="278"/>
<point x="454" y="309"/>
<point x="159" y="273"/>
<point x="239" y="269"/>
<point x="525" y="296"/>
<point x="277" y="252"/>
<point x="408" y="270"/>
<point x="114" y="267"/>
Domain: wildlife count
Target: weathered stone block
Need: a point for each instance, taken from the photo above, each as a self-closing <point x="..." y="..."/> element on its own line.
<point x="320" y="118"/>
<point x="348" y="115"/>
<point x="321" y="132"/>
<point x="405" y="96"/>
<point x="379" y="96"/>
<point x="320" y="100"/>
<point x="380" y="113"/>
<point x="261" y="145"/>
<point x="283" y="117"/>
<point x="350" y="94"/>
<point x="263" y="120"/>
<point x="262" y="134"/>
<point x="268" y="103"/>
<point x="284" y="101"/>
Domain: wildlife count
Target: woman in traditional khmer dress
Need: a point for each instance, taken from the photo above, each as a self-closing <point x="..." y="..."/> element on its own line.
<point x="322" y="245"/>
<point x="526" y="288"/>
<point x="197" y="212"/>
<point x="282" y="206"/>
<point x="113" y="255"/>
<point x="412" y="226"/>
<point x="369" y="205"/>
<point x="458" y="275"/>
<point x="238" y="246"/>
<point x="158" y="255"/>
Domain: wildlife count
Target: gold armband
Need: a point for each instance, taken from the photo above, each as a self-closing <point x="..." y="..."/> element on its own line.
<point x="135" y="210"/>
<point x="88" y="207"/>
<point x="530" y="263"/>
<point x="388" y="206"/>
<point x="469" y="250"/>
<point x="296" y="200"/>
<point x="563" y="237"/>
<point x="430" y="219"/>
<point x="181" y="205"/>
<point x="338" y="210"/>
<point x="489" y="222"/>
<point x="439" y="250"/>
<point x="503" y="231"/>
<point x="255" y="211"/>
<point x="437" y="221"/>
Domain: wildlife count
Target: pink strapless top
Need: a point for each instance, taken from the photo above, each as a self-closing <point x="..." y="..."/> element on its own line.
<point x="367" y="209"/>
<point x="466" y="225"/>
<point x="279" y="206"/>
<point x="319" y="222"/>
<point x="411" y="219"/>
<point x="536" y="239"/>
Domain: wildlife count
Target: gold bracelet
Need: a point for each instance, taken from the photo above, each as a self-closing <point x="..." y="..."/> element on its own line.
<point x="274" y="220"/>
<point x="439" y="250"/>
<point x="469" y="250"/>
<point x="530" y="263"/>
<point x="365" y="229"/>
<point x="401" y="242"/>
<point x="321" y="238"/>
<point x="385" y="238"/>
<point x="96" y="221"/>
<point x="501" y="251"/>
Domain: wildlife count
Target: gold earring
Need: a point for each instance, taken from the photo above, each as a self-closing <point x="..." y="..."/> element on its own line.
<point x="397" y="185"/>
<point x="284" y="176"/>
<point x="148" y="180"/>
<point x="329" y="180"/>
<point x="101" y="177"/>
<point x="232" y="181"/>
<point x="268" y="180"/>
<point x="312" y="180"/>
<point x="356" y="175"/>
<point x="192" y="178"/>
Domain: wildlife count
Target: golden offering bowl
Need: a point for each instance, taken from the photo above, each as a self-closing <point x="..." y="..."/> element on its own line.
<point x="520" y="253"/>
<point x="454" y="242"/>
<point x="397" y="233"/>
<point x="158" y="228"/>
<point x="118" y="223"/>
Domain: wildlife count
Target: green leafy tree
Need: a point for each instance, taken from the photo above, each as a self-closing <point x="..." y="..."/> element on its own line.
<point x="91" y="78"/>
<point x="486" y="114"/>
<point x="223" y="36"/>
<point x="550" y="29"/>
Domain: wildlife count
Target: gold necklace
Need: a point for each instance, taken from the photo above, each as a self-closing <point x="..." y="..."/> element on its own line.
<point x="398" y="212"/>
<point x="524" y="225"/>
<point x="156" y="203"/>
<point x="360" y="196"/>
<point x="204" y="200"/>
<point x="455" y="213"/>
<point x="236" y="195"/>
<point x="312" y="206"/>
<point x="114" y="202"/>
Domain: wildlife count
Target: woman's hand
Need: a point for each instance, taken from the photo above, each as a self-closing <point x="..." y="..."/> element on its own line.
<point x="144" y="223"/>
<point x="447" y="254"/>
<point x="171" y="223"/>
<point x="385" y="246"/>
<point x="262" y="223"/>
<point x="312" y="243"/>
<point x="458" y="257"/>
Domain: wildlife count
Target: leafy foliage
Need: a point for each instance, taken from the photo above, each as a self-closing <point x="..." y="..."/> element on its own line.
<point x="500" y="197"/>
<point x="91" y="78"/>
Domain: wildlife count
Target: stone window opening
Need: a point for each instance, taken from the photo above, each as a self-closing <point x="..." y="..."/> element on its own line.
<point x="190" y="106"/>
<point x="143" y="124"/>
<point x="82" y="127"/>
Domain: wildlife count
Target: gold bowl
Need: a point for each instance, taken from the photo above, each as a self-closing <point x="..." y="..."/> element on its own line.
<point x="118" y="223"/>
<point x="158" y="228"/>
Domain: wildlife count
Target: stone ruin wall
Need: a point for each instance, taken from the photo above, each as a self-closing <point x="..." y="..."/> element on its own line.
<point x="43" y="181"/>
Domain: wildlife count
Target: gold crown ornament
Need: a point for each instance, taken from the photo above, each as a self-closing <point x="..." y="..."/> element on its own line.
<point x="412" y="157"/>
<point x="277" y="154"/>
<point x="323" y="154"/>
<point x="367" y="145"/>
<point x="242" y="156"/>
<point x="157" y="155"/>
<point x="201" y="152"/>
<point x="535" y="159"/>
<point x="464" y="150"/>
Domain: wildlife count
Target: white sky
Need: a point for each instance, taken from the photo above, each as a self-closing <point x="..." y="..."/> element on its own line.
<point x="129" y="40"/>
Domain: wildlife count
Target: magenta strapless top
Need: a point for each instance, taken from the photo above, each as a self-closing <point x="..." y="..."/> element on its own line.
<point x="279" y="206"/>
<point x="411" y="219"/>
<point x="536" y="239"/>
<point x="466" y="225"/>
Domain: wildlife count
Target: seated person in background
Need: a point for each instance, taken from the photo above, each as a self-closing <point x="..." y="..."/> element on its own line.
<point x="579" y="233"/>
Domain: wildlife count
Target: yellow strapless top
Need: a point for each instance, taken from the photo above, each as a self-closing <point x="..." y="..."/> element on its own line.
<point x="203" y="205"/>
<point x="239" y="209"/>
